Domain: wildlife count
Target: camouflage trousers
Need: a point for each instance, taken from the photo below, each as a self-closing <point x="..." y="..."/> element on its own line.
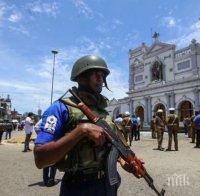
<point x="160" y="139"/>
<point x="153" y="133"/>
<point x="193" y="135"/>
<point x="128" y="136"/>
<point x="172" y="133"/>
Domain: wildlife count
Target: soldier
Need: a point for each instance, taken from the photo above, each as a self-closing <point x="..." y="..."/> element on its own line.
<point x="126" y="123"/>
<point x="66" y="133"/>
<point x="118" y="119"/>
<point x="172" y="126"/>
<point x="134" y="128"/>
<point x="152" y="127"/>
<point x="2" y="128"/>
<point x="160" y="128"/>
<point x="193" y="128"/>
<point x="197" y="127"/>
<point x="9" y="128"/>
<point x="140" y="126"/>
<point x="186" y="123"/>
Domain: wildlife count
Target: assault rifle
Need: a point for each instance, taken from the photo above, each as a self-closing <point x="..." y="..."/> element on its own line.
<point x="124" y="151"/>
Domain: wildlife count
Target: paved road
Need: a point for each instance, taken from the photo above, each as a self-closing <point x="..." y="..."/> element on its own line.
<point x="178" y="172"/>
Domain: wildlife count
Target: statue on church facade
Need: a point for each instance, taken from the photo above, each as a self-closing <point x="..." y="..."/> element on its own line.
<point x="157" y="71"/>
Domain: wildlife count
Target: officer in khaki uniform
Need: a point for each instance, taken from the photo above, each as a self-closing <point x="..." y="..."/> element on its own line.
<point x="173" y="127"/>
<point x="78" y="147"/>
<point x="152" y="126"/>
<point x="159" y="127"/>
<point x="126" y="123"/>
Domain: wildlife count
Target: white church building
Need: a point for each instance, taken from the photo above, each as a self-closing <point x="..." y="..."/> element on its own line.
<point x="161" y="77"/>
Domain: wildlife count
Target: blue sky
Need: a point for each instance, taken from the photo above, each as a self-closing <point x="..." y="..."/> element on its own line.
<point x="29" y="30"/>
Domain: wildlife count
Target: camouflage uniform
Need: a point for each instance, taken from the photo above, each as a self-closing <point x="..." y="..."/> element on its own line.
<point x="172" y="126"/>
<point x="85" y="160"/>
<point x="152" y="126"/>
<point x="160" y="128"/>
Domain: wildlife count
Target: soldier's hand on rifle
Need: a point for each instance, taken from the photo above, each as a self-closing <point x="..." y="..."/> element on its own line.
<point x="125" y="165"/>
<point x="94" y="132"/>
<point x="135" y="168"/>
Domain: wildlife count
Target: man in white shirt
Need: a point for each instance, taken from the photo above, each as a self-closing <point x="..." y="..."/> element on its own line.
<point x="28" y="128"/>
<point x="119" y="119"/>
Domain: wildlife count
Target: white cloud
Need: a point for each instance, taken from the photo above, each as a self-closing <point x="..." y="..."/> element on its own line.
<point x="20" y="29"/>
<point x="188" y="33"/>
<point x="83" y="8"/>
<point x="17" y="85"/>
<point x="169" y="21"/>
<point x="116" y="23"/>
<point x="106" y="27"/>
<point x="15" y="17"/>
<point x="2" y="11"/>
<point x="27" y="96"/>
<point x="38" y="7"/>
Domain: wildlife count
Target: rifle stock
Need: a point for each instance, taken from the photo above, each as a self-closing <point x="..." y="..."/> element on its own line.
<point x="124" y="151"/>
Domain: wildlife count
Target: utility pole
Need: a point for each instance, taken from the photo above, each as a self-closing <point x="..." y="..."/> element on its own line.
<point x="52" y="82"/>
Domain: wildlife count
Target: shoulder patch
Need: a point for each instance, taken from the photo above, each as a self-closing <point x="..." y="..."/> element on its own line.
<point x="50" y="124"/>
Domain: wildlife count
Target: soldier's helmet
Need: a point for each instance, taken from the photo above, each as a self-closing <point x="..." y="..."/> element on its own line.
<point x="160" y="111"/>
<point x="88" y="62"/>
<point x="127" y="113"/>
<point x="171" y="110"/>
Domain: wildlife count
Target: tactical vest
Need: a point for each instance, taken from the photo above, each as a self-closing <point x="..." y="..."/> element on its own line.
<point x="85" y="156"/>
<point x="127" y="123"/>
<point x="173" y="122"/>
<point x="159" y="124"/>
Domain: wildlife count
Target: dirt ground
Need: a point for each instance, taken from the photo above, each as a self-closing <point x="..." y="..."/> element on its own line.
<point x="178" y="172"/>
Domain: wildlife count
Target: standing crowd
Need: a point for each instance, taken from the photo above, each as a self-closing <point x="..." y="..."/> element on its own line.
<point x="129" y="126"/>
<point x="7" y="127"/>
<point x="191" y="128"/>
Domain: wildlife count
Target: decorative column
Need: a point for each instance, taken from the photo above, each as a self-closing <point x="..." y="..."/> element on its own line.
<point x="168" y="99"/>
<point x="197" y="98"/>
<point x="131" y="106"/>
<point x="172" y="101"/>
<point x="146" y="110"/>
<point x="149" y="110"/>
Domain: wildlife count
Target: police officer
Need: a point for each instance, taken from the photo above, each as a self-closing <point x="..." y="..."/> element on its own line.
<point x="126" y="123"/>
<point x="152" y="126"/>
<point x="197" y="127"/>
<point x="160" y="128"/>
<point x="65" y="134"/>
<point x="172" y="126"/>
